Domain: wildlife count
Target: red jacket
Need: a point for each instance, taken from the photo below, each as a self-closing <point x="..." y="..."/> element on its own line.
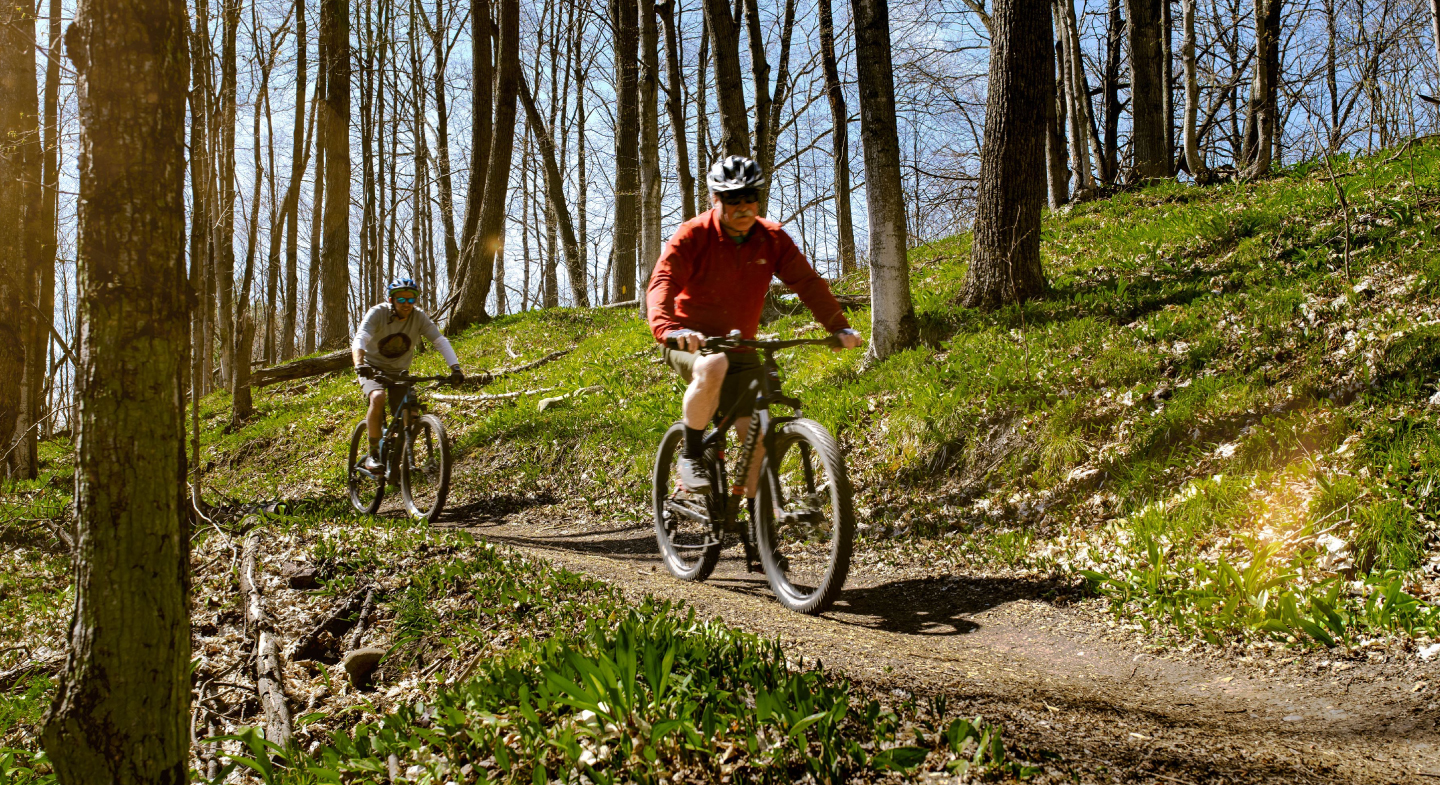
<point x="706" y="282"/>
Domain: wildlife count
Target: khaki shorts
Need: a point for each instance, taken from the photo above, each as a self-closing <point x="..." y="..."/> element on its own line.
<point x="745" y="367"/>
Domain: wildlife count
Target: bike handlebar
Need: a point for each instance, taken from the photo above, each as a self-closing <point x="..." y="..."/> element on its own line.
<point x="719" y="343"/>
<point x="406" y="378"/>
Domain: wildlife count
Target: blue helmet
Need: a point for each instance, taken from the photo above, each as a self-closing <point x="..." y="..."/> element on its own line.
<point x="401" y="283"/>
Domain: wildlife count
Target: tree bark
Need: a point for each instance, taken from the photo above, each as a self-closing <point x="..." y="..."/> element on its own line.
<point x="892" y="316"/>
<point x="1109" y="163"/>
<point x="1057" y="165"/>
<point x="555" y="190"/>
<point x="1265" y="89"/>
<point x="442" y="142"/>
<point x="490" y="235"/>
<point x="482" y="76"/>
<point x="1078" y="96"/>
<point x="760" y="73"/>
<point x="122" y="704"/>
<point x="675" y="105"/>
<point x="1147" y="86"/>
<point x="317" y="207"/>
<point x="1194" y="162"/>
<point x="1005" y="263"/>
<point x="649" y="80"/>
<point x="627" y="162"/>
<point x="292" y="196"/>
<point x="335" y="254"/>
<point x="21" y="239"/>
<point x="840" y="138"/>
<point x="702" y="124"/>
<point x="225" y="239"/>
<point x="725" y="48"/>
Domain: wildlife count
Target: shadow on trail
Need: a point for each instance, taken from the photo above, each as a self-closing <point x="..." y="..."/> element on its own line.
<point x="630" y="541"/>
<point x="932" y="606"/>
<point x="494" y="509"/>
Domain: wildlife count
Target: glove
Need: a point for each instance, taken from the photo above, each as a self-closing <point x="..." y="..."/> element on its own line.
<point x="365" y="371"/>
<point x="456" y="375"/>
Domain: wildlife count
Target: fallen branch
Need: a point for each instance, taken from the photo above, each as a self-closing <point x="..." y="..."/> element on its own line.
<point x="29" y="669"/>
<point x="546" y="403"/>
<point x="269" y="677"/>
<point x="310" y="646"/>
<point x="300" y="369"/>
<point x="492" y="396"/>
<point x="367" y="609"/>
<point x="489" y="377"/>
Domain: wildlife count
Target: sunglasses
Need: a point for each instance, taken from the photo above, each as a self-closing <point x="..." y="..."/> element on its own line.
<point x="740" y="197"/>
<point x="405" y="299"/>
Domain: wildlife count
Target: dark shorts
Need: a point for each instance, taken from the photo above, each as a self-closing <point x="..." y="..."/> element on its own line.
<point x="368" y="386"/>
<point x="745" y="367"/>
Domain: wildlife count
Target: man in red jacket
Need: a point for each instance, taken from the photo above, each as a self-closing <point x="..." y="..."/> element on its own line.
<point x="711" y="278"/>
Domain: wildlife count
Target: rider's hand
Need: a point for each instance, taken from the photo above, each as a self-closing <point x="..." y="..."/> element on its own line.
<point x="849" y="339"/>
<point x="456" y="375"/>
<point x="365" y="371"/>
<point x="686" y="340"/>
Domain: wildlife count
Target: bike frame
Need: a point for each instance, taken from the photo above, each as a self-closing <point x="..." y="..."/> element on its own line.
<point x="399" y="419"/>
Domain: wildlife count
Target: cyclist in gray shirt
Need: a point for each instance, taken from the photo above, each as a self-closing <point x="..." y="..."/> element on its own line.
<point x="385" y="342"/>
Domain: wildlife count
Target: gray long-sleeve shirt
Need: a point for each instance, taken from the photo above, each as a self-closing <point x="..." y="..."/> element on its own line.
<point x="389" y="341"/>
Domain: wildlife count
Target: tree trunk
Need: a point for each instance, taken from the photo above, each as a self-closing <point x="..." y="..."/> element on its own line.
<point x="1193" y="160"/>
<point x="335" y="254"/>
<point x="649" y="80"/>
<point x="1434" y="31"/>
<point x="760" y="73"/>
<point x="581" y="183"/>
<point x="675" y="105"/>
<point x="555" y="189"/>
<point x="1109" y="162"/>
<point x="121" y="711"/>
<point x="1078" y="95"/>
<point x="20" y="223"/>
<point x="1264" y="94"/>
<point x="725" y="48"/>
<point x="702" y="124"/>
<point x="317" y="207"/>
<point x="490" y="234"/>
<point x="892" y="316"/>
<point x="225" y="239"/>
<point x="1057" y="164"/>
<point x="1147" y="86"/>
<point x="627" y="163"/>
<point x="442" y="142"/>
<point x="840" y="137"/>
<point x="482" y="77"/>
<point x="1167" y="78"/>
<point x="1005" y="262"/>
<point x="49" y="199"/>
<point x="297" y="173"/>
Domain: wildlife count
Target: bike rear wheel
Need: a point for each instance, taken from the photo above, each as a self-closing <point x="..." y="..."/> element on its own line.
<point x="366" y="491"/>
<point x="806" y="527"/>
<point x="425" y="468"/>
<point x="689" y="542"/>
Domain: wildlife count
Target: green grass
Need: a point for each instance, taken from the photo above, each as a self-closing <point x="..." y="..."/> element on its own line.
<point x="1204" y="417"/>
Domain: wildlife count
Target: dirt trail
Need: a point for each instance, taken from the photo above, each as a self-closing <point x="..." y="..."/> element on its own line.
<point x="1113" y="713"/>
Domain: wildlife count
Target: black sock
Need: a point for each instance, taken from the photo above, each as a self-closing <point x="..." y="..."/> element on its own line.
<point x="750" y="502"/>
<point x="694" y="442"/>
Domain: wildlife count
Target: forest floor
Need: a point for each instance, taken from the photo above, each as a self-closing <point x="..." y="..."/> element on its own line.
<point x="1057" y="670"/>
<point x="1176" y="521"/>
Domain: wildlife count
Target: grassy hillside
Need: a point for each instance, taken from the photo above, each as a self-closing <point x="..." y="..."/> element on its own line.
<point x="1209" y="421"/>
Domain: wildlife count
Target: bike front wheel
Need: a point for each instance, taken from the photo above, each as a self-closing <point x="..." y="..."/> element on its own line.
<point x="806" y="527"/>
<point x="425" y="468"/>
<point x="689" y="542"/>
<point x="366" y="491"/>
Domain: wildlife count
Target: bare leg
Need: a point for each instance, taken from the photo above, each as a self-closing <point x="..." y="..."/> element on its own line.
<point x="375" y="415"/>
<point x="702" y="397"/>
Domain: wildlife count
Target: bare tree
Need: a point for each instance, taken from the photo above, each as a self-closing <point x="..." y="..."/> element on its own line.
<point x="627" y="160"/>
<point x="1147" y="88"/>
<point x="1005" y="261"/>
<point x="725" y="48"/>
<point x="335" y="254"/>
<point x="649" y="81"/>
<point x="892" y="313"/>
<point x="675" y="106"/>
<point x="121" y="710"/>
<point x="481" y="134"/>
<point x="20" y="173"/>
<point x="840" y="140"/>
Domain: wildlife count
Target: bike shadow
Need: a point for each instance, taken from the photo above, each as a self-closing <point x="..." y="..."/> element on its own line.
<point x="494" y="509"/>
<point x="933" y="606"/>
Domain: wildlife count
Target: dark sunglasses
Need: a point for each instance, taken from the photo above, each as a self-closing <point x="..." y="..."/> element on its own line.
<point x="740" y="197"/>
<point x="405" y="299"/>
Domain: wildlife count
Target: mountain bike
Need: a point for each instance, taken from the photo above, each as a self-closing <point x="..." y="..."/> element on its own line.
<point x="414" y="454"/>
<point x="805" y="529"/>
